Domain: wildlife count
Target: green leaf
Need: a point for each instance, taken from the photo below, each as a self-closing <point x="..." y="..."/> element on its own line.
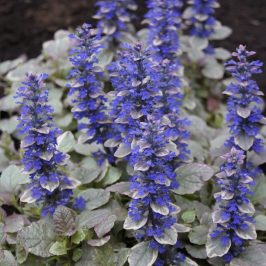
<point x="253" y="255"/>
<point x="66" y="142"/>
<point x="198" y="235"/>
<point x="78" y="237"/>
<point x="188" y="216"/>
<point x="260" y="222"/>
<point x="95" y="198"/>
<point x="64" y="221"/>
<point x="191" y="177"/>
<point x="105" y="226"/>
<point x="11" y="178"/>
<point x="8" y="259"/>
<point x="198" y="252"/>
<point x="113" y="175"/>
<point x="21" y="254"/>
<point x="142" y="255"/>
<point x="37" y="238"/>
<point x="215" y="248"/>
<point x="77" y="254"/>
<point x="88" y="219"/>
<point x="59" y="248"/>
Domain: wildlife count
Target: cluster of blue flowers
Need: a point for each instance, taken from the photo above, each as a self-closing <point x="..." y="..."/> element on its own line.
<point x="146" y="138"/>
<point x="164" y="18"/>
<point x="233" y="218"/>
<point x="86" y="89"/>
<point x="41" y="159"/>
<point x="201" y="20"/>
<point x="114" y="17"/>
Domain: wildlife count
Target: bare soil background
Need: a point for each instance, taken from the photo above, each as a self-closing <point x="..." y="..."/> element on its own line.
<point x="26" y="24"/>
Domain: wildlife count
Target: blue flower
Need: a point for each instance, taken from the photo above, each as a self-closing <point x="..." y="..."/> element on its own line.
<point x="114" y="17"/>
<point x="41" y="159"/>
<point x="89" y="99"/>
<point x="146" y="121"/>
<point x="234" y="216"/>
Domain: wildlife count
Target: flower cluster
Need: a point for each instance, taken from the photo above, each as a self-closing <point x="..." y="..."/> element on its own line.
<point x="41" y="158"/>
<point x="86" y="89"/>
<point x="233" y="218"/>
<point x="245" y="102"/>
<point x="164" y="22"/>
<point x="147" y="138"/>
<point x="164" y="18"/>
<point x="151" y="210"/>
<point x="200" y="17"/>
<point x="114" y="16"/>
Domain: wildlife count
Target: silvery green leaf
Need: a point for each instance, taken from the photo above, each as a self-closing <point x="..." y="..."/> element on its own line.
<point x="130" y="224"/>
<point x="8" y="259"/>
<point x="142" y="255"/>
<point x="122" y="188"/>
<point x="89" y="219"/>
<point x="188" y="262"/>
<point x="243" y="112"/>
<point x="105" y="58"/>
<point x="169" y="237"/>
<point x="95" y="198"/>
<point x="105" y="226"/>
<point x="199" y="43"/>
<point x="9" y="125"/>
<point x="7" y="103"/>
<point x="85" y="175"/>
<point x="257" y="158"/>
<point x="221" y="33"/>
<point x="113" y="174"/>
<point x="27" y="197"/>
<point x="247" y="208"/>
<point x="59" y="248"/>
<point x="141" y="166"/>
<point x="14" y="223"/>
<point x="21" y="254"/>
<point x="222" y="54"/>
<point x="111" y="143"/>
<point x="254" y="254"/>
<point x="65" y="142"/>
<point x="50" y="185"/>
<point x="217" y="217"/>
<point x="244" y="141"/>
<point x="198" y="252"/>
<point x="37" y="238"/>
<point x="98" y="242"/>
<point x="197" y="151"/>
<point x="64" y="221"/>
<point x="249" y="233"/>
<point x="195" y="54"/>
<point x="180" y="228"/>
<point x="122" y="151"/>
<point x="215" y="248"/>
<point x="46" y="156"/>
<point x="64" y="121"/>
<point x="11" y="178"/>
<point x="260" y="222"/>
<point x="213" y="70"/>
<point x="191" y="177"/>
<point x="10" y="64"/>
<point x="55" y="101"/>
<point x="198" y="234"/>
<point x="188" y="216"/>
<point x="188" y="13"/>
<point x="163" y="210"/>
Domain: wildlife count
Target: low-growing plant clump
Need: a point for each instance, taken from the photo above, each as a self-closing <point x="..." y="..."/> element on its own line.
<point x="125" y="147"/>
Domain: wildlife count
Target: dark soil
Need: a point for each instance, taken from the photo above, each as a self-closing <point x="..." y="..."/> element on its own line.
<point x="26" y="24"/>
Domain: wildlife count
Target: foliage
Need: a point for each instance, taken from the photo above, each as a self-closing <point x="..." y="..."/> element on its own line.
<point x="143" y="119"/>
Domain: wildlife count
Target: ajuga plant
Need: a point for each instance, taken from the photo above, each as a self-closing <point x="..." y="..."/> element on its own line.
<point x="201" y="19"/>
<point x="49" y="185"/>
<point x="148" y="141"/>
<point x="115" y="17"/>
<point x="234" y="216"/>
<point x="164" y="22"/>
<point x="86" y="88"/>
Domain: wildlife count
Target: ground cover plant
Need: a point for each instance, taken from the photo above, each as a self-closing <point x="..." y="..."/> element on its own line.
<point x="125" y="147"/>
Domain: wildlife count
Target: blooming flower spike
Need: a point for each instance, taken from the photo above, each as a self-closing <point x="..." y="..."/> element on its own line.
<point x="41" y="159"/>
<point x="233" y="219"/>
